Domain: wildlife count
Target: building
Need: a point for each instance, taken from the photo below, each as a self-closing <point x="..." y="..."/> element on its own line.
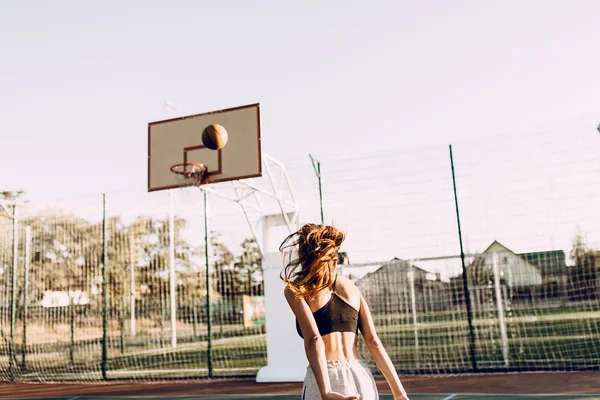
<point x="395" y="286"/>
<point x="553" y="267"/>
<point x="524" y="276"/>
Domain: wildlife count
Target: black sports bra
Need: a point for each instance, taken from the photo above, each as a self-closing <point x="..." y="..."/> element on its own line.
<point x="335" y="316"/>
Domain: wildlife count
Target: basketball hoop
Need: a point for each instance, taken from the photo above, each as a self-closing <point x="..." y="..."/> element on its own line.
<point x="189" y="174"/>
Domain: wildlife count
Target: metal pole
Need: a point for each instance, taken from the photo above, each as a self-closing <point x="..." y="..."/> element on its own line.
<point x="13" y="304"/>
<point x="132" y="280"/>
<point x="194" y="317"/>
<point x="413" y="300"/>
<point x="122" y="322"/>
<point x="208" y="308"/>
<point x="72" y="328"/>
<point x="26" y="293"/>
<point x="172" y="277"/>
<point x="317" y="167"/>
<point x="464" y="271"/>
<point x="104" y="290"/>
<point x="500" y="305"/>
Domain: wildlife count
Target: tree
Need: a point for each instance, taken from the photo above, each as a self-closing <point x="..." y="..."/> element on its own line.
<point x="249" y="268"/>
<point x="63" y="248"/>
<point x="583" y="274"/>
<point x="11" y="195"/>
<point x="579" y="247"/>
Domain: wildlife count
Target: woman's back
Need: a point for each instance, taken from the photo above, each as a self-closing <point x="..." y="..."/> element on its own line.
<point x="330" y="311"/>
<point x="337" y="316"/>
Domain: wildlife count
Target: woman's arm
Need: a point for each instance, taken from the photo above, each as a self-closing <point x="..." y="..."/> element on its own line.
<point x="314" y="346"/>
<point x="378" y="352"/>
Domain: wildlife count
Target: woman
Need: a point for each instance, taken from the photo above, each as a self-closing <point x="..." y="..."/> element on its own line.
<point x="329" y="312"/>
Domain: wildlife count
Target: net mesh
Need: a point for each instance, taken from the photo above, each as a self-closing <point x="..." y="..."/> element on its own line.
<point x="528" y="208"/>
<point x="189" y="174"/>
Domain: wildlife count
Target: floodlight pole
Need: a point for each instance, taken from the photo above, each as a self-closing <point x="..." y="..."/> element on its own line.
<point x="317" y="167"/>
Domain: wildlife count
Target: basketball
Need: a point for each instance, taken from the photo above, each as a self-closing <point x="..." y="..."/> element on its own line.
<point x="214" y="137"/>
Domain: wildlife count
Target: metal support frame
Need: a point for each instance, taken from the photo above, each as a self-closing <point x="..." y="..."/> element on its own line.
<point x="6" y="208"/>
<point x="253" y="197"/>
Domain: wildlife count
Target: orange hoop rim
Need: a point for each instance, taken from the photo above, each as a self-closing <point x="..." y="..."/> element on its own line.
<point x="189" y="169"/>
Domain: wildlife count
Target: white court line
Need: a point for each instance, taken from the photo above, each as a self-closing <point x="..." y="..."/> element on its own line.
<point x="445" y="398"/>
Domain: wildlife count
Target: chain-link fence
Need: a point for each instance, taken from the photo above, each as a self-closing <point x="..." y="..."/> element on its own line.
<point x="90" y="291"/>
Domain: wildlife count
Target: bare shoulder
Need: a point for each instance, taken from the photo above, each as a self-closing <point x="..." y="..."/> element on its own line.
<point x="289" y="295"/>
<point x="345" y="288"/>
<point x="344" y="283"/>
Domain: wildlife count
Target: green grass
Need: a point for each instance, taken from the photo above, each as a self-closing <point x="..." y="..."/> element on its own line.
<point x="549" y="338"/>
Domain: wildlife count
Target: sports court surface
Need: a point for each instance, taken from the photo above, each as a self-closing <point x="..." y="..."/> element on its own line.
<point x="512" y="386"/>
<point x="382" y="397"/>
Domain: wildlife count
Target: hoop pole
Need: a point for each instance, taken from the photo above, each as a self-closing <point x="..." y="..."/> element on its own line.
<point x="464" y="272"/>
<point x="208" y="308"/>
<point x="317" y="167"/>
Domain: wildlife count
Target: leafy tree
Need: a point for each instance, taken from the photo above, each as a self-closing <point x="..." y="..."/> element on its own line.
<point x="249" y="268"/>
<point x="583" y="275"/>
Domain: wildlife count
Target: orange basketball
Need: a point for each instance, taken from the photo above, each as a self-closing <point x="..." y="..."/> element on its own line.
<point x="214" y="137"/>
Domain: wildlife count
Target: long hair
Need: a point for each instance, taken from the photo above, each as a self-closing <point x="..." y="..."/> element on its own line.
<point x="311" y="255"/>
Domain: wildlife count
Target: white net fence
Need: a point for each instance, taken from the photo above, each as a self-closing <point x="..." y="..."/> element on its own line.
<point x="530" y="228"/>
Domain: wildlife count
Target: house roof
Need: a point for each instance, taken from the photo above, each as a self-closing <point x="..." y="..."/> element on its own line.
<point x="396" y="263"/>
<point x="549" y="262"/>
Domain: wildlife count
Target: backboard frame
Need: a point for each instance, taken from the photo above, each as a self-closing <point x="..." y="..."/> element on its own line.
<point x="211" y="173"/>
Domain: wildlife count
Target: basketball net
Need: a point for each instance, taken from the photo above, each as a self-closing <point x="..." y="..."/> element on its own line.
<point x="189" y="174"/>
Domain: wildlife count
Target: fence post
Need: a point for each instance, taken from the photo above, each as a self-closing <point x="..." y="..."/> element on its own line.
<point x="172" y="276"/>
<point x="411" y="279"/>
<point x="26" y="293"/>
<point x="122" y="322"/>
<point x="194" y="316"/>
<point x="72" y="328"/>
<point x="104" y="290"/>
<point x="13" y="303"/>
<point x="208" y="308"/>
<point x="132" y="280"/>
<point x="500" y="305"/>
<point x="464" y="271"/>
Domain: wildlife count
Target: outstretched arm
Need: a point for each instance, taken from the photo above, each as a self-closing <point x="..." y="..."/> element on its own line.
<point x="314" y="346"/>
<point x="378" y="352"/>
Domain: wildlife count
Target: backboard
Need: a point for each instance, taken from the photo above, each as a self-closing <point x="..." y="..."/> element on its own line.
<point x="179" y="140"/>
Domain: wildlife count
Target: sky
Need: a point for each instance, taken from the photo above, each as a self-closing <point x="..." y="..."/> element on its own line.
<point x="358" y="84"/>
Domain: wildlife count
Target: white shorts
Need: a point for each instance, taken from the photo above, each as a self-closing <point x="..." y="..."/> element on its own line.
<point x="348" y="377"/>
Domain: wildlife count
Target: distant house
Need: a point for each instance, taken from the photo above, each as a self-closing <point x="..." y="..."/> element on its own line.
<point x="395" y="285"/>
<point x="53" y="299"/>
<point x="526" y="275"/>
<point x="553" y="267"/>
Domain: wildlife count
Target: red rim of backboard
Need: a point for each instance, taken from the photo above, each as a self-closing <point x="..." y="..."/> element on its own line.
<point x="214" y="176"/>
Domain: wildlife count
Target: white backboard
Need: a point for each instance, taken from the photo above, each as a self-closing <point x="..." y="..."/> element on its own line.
<point x="179" y="140"/>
